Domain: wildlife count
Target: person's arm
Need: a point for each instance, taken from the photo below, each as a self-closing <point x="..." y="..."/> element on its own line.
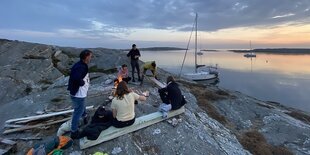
<point x="163" y="90"/>
<point x="114" y="113"/>
<point x="129" y="53"/>
<point x="77" y="76"/>
<point x="139" y="97"/>
<point x="142" y="98"/>
<point x="139" y="53"/>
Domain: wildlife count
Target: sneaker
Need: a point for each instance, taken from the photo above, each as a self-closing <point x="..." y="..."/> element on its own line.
<point x="140" y="80"/>
<point x="133" y="80"/>
<point x="75" y="135"/>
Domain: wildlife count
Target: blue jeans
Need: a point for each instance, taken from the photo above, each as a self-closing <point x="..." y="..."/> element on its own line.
<point x="164" y="109"/>
<point x="79" y="111"/>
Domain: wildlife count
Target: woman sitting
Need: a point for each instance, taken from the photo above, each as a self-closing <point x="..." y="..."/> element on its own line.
<point x="123" y="106"/>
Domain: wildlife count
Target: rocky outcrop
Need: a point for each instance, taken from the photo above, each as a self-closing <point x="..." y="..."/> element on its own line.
<point x="34" y="77"/>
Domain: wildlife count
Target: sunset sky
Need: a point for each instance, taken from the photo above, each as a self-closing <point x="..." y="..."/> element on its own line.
<point x="222" y="24"/>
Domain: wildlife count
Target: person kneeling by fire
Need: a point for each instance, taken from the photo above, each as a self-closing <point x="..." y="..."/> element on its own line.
<point x="122" y="75"/>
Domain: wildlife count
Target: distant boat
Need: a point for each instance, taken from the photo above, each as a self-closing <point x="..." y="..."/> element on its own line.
<point x="199" y="53"/>
<point x="251" y="54"/>
<point x="202" y="72"/>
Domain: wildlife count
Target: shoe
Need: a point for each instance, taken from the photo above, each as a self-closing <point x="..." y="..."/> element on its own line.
<point x="75" y="135"/>
<point x="140" y="80"/>
<point x="133" y="80"/>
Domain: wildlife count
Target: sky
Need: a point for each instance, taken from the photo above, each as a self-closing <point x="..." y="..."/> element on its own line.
<point x="222" y="24"/>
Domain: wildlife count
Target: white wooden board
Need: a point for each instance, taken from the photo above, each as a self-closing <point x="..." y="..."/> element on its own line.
<point x="140" y="123"/>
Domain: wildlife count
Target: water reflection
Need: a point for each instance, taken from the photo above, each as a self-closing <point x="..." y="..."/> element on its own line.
<point x="280" y="78"/>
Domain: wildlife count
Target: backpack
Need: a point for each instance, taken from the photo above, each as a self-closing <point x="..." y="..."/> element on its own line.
<point x="51" y="147"/>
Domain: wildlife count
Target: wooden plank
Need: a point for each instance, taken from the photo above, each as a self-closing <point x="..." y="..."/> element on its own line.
<point x="141" y="122"/>
<point x="31" y="118"/>
<point x="8" y="142"/>
<point x="158" y="83"/>
<point x="13" y="126"/>
<point x="35" y="126"/>
<point x="3" y="151"/>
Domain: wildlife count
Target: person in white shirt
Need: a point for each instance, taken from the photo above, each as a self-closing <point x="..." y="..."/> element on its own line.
<point x="123" y="106"/>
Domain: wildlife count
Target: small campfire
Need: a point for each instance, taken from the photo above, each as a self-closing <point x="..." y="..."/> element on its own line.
<point x="117" y="81"/>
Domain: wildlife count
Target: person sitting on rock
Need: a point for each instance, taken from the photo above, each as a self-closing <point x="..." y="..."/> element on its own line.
<point x="123" y="74"/>
<point x="171" y="97"/>
<point x="123" y="106"/>
<point x="101" y="120"/>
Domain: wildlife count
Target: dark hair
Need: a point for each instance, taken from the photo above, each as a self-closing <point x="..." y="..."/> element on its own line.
<point x="170" y="79"/>
<point x="84" y="54"/>
<point x="124" y="65"/>
<point x="121" y="90"/>
<point x="133" y="45"/>
<point x="153" y="64"/>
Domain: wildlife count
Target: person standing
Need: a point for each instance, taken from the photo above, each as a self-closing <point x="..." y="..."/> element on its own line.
<point x="78" y="87"/>
<point x="134" y="55"/>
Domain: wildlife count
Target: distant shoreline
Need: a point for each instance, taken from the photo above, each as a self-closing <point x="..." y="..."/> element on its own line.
<point x="158" y="49"/>
<point x="276" y="51"/>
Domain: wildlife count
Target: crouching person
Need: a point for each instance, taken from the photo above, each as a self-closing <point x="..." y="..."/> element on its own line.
<point x="123" y="106"/>
<point x="171" y="97"/>
<point x="101" y="120"/>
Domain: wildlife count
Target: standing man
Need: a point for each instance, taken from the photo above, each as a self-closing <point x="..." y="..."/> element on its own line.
<point x="134" y="55"/>
<point x="78" y="87"/>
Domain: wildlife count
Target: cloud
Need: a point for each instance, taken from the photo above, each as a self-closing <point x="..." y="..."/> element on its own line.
<point x="120" y="20"/>
<point x="283" y="16"/>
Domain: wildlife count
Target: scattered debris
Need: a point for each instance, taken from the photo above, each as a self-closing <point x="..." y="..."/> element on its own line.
<point x="116" y="150"/>
<point x="108" y="81"/>
<point x="156" y="131"/>
<point x="76" y="153"/>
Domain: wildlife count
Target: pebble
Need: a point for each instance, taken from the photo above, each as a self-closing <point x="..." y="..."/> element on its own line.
<point x="116" y="150"/>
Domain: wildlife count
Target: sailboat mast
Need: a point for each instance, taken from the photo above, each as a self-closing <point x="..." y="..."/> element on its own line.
<point x="196" y="42"/>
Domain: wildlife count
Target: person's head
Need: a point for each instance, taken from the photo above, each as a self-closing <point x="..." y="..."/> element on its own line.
<point x="170" y="79"/>
<point x="86" y="55"/>
<point x="134" y="46"/>
<point x="121" y="90"/>
<point x="154" y="64"/>
<point x="124" y="67"/>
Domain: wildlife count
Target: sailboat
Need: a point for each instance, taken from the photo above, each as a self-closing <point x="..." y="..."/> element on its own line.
<point x="202" y="72"/>
<point x="251" y="53"/>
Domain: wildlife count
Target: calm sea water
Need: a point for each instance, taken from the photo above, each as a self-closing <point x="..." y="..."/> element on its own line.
<point x="270" y="77"/>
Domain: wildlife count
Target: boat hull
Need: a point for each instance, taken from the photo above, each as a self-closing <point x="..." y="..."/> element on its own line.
<point x="200" y="76"/>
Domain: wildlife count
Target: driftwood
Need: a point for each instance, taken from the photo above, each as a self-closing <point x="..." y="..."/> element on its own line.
<point x="27" y="138"/>
<point x="158" y="83"/>
<point x="35" y="126"/>
<point x="10" y="146"/>
<point x="32" y="118"/>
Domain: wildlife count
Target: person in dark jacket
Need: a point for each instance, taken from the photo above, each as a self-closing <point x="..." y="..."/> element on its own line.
<point x="134" y="55"/>
<point x="101" y="120"/>
<point x="171" y="97"/>
<point x="78" y="87"/>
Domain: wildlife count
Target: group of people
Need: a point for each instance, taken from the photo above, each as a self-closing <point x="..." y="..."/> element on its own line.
<point x="122" y="112"/>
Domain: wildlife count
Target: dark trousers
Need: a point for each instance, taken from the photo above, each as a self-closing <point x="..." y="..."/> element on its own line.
<point x="120" y="124"/>
<point x="135" y="65"/>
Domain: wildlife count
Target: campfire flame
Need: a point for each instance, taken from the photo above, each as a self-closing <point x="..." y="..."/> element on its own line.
<point x="119" y="79"/>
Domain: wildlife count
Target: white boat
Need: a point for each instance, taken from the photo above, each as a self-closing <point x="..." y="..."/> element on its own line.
<point x="251" y="54"/>
<point x="202" y="72"/>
